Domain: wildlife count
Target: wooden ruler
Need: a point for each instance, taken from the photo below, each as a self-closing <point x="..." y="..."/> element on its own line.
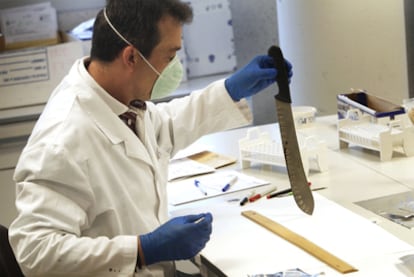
<point x="301" y="242"/>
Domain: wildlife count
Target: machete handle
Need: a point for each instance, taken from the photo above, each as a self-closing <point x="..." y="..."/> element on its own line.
<point x="282" y="78"/>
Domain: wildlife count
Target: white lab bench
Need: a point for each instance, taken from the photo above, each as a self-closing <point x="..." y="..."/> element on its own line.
<point x="239" y="247"/>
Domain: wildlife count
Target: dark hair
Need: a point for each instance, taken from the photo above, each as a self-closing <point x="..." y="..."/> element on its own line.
<point x="135" y="20"/>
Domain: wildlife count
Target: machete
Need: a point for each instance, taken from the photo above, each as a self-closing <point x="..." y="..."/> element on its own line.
<point x="298" y="181"/>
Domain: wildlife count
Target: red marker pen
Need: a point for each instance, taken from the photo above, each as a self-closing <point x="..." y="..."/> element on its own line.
<point x="260" y="195"/>
<point x="254" y="197"/>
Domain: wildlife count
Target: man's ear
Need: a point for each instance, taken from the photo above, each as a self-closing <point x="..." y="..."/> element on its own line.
<point x="129" y="56"/>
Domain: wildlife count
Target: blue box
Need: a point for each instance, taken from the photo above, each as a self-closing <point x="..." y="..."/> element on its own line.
<point x="366" y="103"/>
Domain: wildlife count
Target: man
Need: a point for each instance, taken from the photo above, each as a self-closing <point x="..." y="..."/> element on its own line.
<point x="91" y="192"/>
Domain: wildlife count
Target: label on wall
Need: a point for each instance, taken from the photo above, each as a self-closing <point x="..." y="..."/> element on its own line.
<point x="27" y="77"/>
<point x="16" y="69"/>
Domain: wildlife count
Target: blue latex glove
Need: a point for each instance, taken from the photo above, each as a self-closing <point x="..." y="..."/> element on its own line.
<point x="254" y="77"/>
<point x="178" y="239"/>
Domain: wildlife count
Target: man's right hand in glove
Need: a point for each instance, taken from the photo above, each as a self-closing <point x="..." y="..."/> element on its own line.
<point x="178" y="239"/>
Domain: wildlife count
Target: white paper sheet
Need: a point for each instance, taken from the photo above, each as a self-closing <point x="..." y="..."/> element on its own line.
<point x="185" y="167"/>
<point x="184" y="191"/>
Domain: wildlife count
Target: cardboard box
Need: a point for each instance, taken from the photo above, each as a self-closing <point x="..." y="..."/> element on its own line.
<point x="32" y="43"/>
<point x="29" y="25"/>
<point x="208" y="40"/>
<point x="375" y="106"/>
<point x="28" y="76"/>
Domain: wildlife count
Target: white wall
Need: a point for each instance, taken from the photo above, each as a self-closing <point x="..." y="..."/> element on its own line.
<point x="336" y="45"/>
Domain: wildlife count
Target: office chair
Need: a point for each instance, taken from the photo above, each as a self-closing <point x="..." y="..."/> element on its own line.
<point x="8" y="264"/>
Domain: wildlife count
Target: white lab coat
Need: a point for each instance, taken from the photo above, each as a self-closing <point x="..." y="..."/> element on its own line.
<point x="87" y="185"/>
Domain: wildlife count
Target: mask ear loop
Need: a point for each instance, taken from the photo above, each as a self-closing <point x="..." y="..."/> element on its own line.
<point x="127" y="42"/>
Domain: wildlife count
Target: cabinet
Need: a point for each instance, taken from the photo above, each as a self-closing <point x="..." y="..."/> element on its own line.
<point x="9" y="154"/>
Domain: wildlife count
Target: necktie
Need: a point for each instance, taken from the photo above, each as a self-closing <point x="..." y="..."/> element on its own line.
<point x="130" y="117"/>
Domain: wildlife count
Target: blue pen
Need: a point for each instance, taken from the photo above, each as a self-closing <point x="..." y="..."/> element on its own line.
<point x="246" y="198"/>
<point x="232" y="181"/>
<point x="197" y="184"/>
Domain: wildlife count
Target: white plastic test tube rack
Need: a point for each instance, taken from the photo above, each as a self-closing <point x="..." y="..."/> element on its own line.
<point x="386" y="137"/>
<point x="258" y="147"/>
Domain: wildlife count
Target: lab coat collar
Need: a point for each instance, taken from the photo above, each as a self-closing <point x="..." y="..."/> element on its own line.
<point x="117" y="107"/>
<point x="104" y="110"/>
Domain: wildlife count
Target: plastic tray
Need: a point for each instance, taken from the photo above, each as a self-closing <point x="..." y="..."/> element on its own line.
<point x="258" y="147"/>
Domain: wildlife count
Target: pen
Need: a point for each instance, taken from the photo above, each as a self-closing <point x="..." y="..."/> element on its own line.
<point x="279" y="193"/>
<point x="199" y="220"/>
<point x="287" y="192"/>
<point x="246" y="198"/>
<point x="260" y="195"/>
<point x="318" y="188"/>
<point x="283" y="192"/>
<point x="229" y="184"/>
<point x="197" y="184"/>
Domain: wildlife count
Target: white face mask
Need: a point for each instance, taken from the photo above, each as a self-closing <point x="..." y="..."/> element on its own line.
<point x="168" y="80"/>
